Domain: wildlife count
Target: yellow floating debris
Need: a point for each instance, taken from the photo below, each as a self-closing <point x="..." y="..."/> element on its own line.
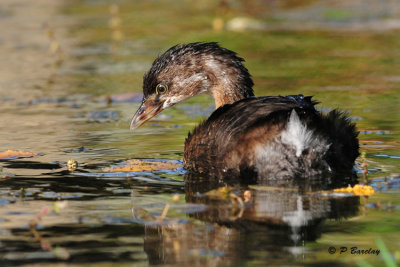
<point x="136" y="165"/>
<point x="72" y="165"/>
<point x="358" y="190"/>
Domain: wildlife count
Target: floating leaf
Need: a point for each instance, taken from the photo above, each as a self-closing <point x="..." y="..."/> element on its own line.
<point x="136" y="165"/>
<point x="11" y="154"/>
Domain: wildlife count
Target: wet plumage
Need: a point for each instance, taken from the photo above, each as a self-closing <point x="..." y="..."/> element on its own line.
<point x="271" y="137"/>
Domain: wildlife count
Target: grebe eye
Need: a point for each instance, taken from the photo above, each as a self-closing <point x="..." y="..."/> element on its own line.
<point x="161" y="89"/>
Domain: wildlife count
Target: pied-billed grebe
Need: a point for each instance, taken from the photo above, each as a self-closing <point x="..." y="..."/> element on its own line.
<point x="270" y="137"/>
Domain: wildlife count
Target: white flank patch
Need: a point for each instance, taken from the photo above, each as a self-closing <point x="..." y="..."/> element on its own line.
<point x="297" y="134"/>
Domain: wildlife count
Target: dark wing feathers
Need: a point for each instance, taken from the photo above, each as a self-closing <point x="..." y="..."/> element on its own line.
<point x="248" y="119"/>
<point x="215" y="137"/>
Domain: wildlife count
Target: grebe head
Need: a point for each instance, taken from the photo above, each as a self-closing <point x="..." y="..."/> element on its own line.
<point x="184" y="71"/>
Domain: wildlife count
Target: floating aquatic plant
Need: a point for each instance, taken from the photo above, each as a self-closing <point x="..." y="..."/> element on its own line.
<point x="13" y="154"/>
<point x="136" y="165"/>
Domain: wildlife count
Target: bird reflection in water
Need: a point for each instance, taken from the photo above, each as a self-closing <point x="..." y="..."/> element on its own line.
<point x="275" y="223"/>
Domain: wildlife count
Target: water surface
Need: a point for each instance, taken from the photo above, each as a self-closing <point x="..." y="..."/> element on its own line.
<point x="76" y="104"/>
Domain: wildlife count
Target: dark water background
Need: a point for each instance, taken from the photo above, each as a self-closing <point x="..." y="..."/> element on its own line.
<point x="70" y="80"/>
